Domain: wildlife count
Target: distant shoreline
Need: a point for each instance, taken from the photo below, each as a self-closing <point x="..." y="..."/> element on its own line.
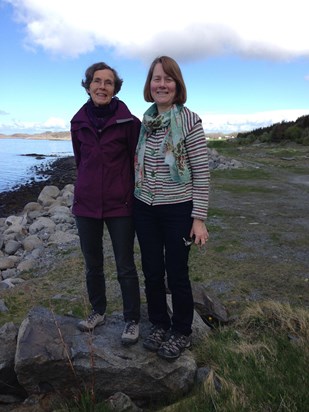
<point x="39" y="136"/>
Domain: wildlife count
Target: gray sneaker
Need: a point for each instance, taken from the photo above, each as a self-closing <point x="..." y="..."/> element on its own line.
<point x="130" y="333"/>
<point x="176" y="343"/>
<point x="154" y="339"/>
<point x="93" y="320"/>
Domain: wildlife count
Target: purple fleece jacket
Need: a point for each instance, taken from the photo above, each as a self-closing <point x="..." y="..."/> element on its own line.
<point x="105" y="164"/>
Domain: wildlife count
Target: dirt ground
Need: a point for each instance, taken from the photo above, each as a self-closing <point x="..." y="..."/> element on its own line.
<point x="259" y="223"/>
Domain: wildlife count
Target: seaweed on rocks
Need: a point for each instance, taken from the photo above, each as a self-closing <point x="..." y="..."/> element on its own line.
<point x="58" y="173"/>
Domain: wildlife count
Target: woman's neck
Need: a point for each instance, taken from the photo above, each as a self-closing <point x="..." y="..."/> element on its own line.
<point x="163" y="109"/>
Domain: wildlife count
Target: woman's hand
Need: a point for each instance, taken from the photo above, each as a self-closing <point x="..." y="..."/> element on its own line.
<point x="199" y="232"/>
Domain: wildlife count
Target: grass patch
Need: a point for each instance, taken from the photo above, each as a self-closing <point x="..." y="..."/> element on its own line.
<point x="220" y="144"/>
<point x="235" y="188"/>
<point x="258" y="364"/>
<point x="241" y="174"/>
<point x="215" y="212"/>
<point x="61" y="289"/>
<point x="300" y="170"/>
<point x="286" y="152"/>
<point x="84" y="402"/>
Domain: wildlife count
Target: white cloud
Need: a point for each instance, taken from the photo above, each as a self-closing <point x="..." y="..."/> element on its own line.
<point x="55" y="123"/>
<point x="227" y="123"/>
<point x="52" y="124"/>
<point x="267" y="29"/>
<point x="212" y="122"/>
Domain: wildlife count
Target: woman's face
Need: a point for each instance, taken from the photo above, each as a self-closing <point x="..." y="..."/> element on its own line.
<point x="162" y="89"/>
<point x="102" y="87"/>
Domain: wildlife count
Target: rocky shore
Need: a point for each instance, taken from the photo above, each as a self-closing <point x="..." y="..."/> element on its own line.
<point x="60" y="173"/>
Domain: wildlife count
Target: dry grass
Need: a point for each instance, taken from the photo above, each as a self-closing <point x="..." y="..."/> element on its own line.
<point x="276" y="317"/>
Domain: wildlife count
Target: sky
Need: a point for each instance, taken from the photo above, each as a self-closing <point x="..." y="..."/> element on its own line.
<point x="245" y="63"/>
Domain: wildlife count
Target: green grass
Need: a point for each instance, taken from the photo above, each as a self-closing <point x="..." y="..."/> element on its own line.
<point x="287" y="152"/>
<point x="215" y="212"/>
<point x="258" y="364"/>
<point x="235" y="188"/>
<point x="84" y="402"/>
<point x="244" y="174"/>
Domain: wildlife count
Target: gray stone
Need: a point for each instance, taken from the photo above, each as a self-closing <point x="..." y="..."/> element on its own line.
<point x="52" y="350"/>
<point x="3" y="307"/>
<point x="208" y="306"/>
<point x="9" y="273"/>
<point x="11" y="247"/>
<point x="32" y="242"/>
<point x="67" y="197"/>
<point x="8" y="381"/>
<point x="42" y="224"/>
<point x="26" y="265"/>
<point x="32" y="207"/>
<point x="48" y="195"/>
<point x="16" y="220"/>
<point x="36" y="253"/>
<point x="4" y="285"/>
<point x="120" y="402"/>
<point x="62" y="237"/>
<point x="6" y="263"/>
<point x="63" y="218"/>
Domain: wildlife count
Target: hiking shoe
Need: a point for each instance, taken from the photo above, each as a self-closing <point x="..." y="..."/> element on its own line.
<point x="93" y="320"/>
<point x="130" y="333"/>
<point x="172" y="348"/>
<point x="154" y="339"/>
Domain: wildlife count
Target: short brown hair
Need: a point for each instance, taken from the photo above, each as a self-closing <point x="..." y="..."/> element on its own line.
<point x="172" y="69"/>
<point x="101" y="66"/>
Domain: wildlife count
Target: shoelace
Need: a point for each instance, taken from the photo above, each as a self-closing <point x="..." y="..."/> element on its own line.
<point x="130" y="329"/>
<point x="93" y="316"/>
<point x="157" y="334"/>
<point x="173" y="343"/>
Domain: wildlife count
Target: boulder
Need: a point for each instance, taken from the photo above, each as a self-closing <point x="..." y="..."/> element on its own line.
<point x="52" y="353"/>
<point x="48" y="195"/>
<point x="8" y="381"/>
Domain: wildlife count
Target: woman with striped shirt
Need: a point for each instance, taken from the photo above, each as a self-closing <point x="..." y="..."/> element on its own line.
<point x="171" y="202"/>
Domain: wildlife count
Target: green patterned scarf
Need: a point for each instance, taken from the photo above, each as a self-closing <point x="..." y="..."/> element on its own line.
<point x="172" y="147"/>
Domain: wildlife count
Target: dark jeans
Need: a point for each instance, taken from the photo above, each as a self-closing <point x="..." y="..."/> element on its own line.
<point x="160" y="231"/>
<point x="121" y="231"/>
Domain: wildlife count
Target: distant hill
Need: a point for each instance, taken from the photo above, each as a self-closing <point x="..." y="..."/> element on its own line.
<point x="297" y="131"/>
<point x="39" y="136"/>
<point x="217" y="135"/>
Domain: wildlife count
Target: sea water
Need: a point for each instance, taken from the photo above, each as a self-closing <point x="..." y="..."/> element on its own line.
<point x="17" y="169"/>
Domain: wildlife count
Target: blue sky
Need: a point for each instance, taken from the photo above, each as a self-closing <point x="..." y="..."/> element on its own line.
<point x="245" y="63"/>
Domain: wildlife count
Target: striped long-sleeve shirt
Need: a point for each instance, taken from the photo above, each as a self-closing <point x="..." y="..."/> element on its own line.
<point x="158" y="188"/>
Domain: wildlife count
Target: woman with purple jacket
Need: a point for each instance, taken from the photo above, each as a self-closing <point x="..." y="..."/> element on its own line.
<point x="104" y="137"/>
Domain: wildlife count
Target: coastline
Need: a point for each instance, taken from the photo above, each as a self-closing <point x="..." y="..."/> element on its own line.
<point x="60" y="173"/>
<point x="39" y="136"/>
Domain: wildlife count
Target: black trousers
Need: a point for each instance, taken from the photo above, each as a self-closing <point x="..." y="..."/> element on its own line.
<point x="160" y="231"/>
<point x="121" y="231"/>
